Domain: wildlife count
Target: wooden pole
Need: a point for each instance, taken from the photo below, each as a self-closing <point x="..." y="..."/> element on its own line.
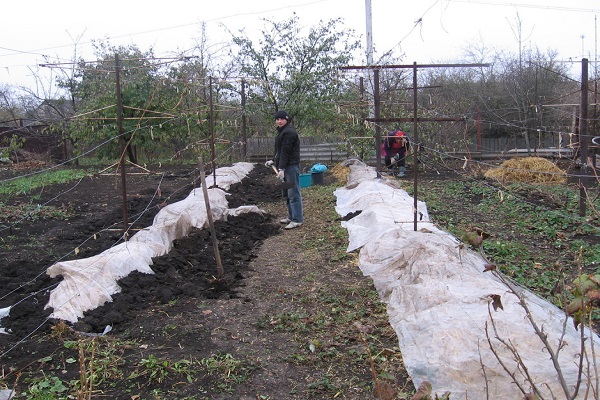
<point x="211" y="223"/>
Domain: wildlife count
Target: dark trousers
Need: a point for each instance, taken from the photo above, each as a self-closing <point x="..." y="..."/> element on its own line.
<point x="400" y="163"/>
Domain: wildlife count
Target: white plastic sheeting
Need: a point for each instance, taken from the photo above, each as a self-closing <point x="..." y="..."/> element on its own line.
<point x="4" y="312"/>
<point x="6" y="394"/>
<point x="438" y="301"/>
<point x="88" y="283"/>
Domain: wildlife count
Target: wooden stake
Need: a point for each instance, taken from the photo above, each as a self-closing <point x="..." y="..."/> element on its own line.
<point x="211" y="224"/>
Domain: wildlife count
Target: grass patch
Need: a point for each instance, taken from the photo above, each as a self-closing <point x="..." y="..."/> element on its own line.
<point x="27" y="184"/>
<point x="536" y="232"/>
<point x="331" y="237"/>
<point x="157" y="370"/>
<point x="227" y="370"/>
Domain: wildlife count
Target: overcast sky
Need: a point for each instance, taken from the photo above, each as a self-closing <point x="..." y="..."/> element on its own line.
<point x="424" y="31"/>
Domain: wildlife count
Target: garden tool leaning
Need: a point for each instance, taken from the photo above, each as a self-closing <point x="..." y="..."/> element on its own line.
<point x="284" y="185"/>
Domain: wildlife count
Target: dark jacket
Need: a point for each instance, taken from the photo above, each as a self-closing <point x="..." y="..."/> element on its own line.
<point x="287" y="147"/>
<point x="392" y="145"/>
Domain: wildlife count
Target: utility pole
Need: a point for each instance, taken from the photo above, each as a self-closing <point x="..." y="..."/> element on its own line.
<point x="369" y="16"/>
<point x="374" y="107"/>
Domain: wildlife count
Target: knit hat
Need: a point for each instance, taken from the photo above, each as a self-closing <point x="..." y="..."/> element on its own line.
<point x="282" y="114"/>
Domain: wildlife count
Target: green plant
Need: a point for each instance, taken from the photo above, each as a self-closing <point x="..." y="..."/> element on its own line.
<point x="590" y="253"/>
<point x="322" y="385"/>
<point x="27" y="184"/>
<point x="227" y="369"/>
<point x="108" y="360"/>
<point x="157" y="370"/>
<point x="47" y="387"/>
<point x="13" y="144"/>
<point x="586" y="296"/>
<point x="169" y="328"/>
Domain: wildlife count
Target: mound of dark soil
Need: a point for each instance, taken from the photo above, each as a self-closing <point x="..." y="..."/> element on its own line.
<point x="188" y="270"/>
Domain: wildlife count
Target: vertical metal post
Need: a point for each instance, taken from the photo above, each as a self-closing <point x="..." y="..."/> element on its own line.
<point x="212" y="131"/>
<point x="121" y="145"/>
<point x="479" y="144"/>
<point x="244" y="128"/>
<point x="364" y="114"/>
<point x="583" y="136"/>
<point x="415" y="145"/>
<point x="377" y="103"/>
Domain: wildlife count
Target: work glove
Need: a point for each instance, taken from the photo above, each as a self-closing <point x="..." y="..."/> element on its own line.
<point x="281" y="175"/>
<point x="269" y="163"/>
<point x="397" y="157"/>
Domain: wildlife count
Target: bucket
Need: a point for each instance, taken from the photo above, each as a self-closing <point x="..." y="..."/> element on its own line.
<point x="305" y="180"/>
<point x="317" y="178"/>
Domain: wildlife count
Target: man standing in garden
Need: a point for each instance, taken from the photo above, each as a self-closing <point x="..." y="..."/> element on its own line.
<point x="287" y="162"/>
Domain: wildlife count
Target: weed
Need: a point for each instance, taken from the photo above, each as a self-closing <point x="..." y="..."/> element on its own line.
<point x="590" y="252"/>
<point x="227" y="370"/>
<point x="156" y="370"/>
<point x="169" y="328"/>
<point x="34" y="212"/>
<point x="311" y="277"/>
<point x="322" y="385"/>
<point x="47" y="387"/>
<point x="108" y="360"/>
<point x="60" y="331"/>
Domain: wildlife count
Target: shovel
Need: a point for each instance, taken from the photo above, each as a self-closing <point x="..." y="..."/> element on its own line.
<point x="284" y="185"/>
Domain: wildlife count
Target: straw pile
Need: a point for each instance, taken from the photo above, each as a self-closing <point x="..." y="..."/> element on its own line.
<point x="527" y="170"/>
<point x="341" y="172"/>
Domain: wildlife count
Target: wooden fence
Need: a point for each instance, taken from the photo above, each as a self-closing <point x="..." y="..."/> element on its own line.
<point x="312" y="152"/>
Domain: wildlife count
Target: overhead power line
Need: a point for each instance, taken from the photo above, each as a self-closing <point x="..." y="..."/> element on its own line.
<point x="524" y="5"/>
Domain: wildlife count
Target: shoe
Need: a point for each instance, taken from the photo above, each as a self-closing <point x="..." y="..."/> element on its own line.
<point x="293" y="225"/>
<point x="285" y="221"/>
